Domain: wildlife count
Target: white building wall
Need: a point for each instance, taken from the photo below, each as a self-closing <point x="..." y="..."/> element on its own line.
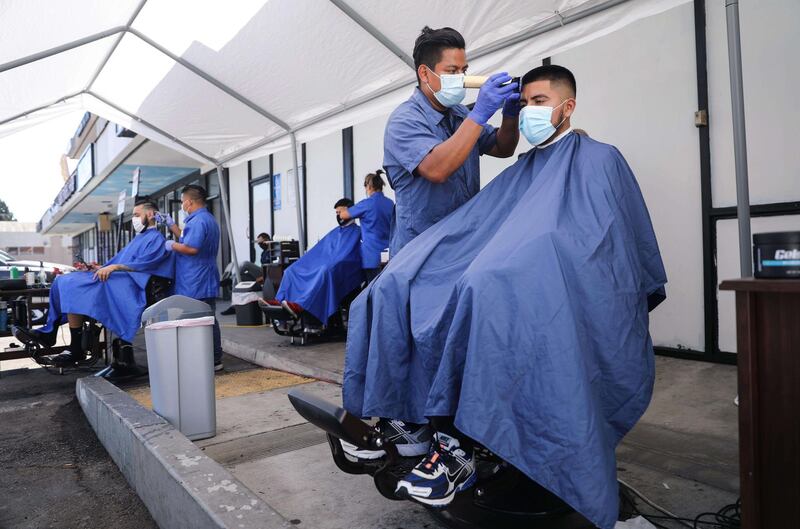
<point x="240" y="210"/>
<point x="325" y="182"/>
<point x="286" y="217"/>
<point x="368" y="154"/>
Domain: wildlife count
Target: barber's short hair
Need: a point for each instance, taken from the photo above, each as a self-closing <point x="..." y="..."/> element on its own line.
<point x="346" y="202"/>
<point x="430" y="43"/>
<point x="553" y="73"/>
<point x="147" y="203"/>
<point x="195" y="192"/>
<point x="264" y="235"/>
<point x="374" y="180"/>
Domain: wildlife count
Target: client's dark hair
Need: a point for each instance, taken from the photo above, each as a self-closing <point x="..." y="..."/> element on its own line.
<point x="374" y="180"/>
<point x="346" y="202"/>
<point x="264" y="235"/>
<point x="146" y="202"/>
<point x="195" y="192"/>
<point x="430" y="43"/>
<point x="553" y="73"/>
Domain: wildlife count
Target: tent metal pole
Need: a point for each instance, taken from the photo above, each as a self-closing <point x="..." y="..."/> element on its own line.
<point x="41" y="107"/>
<point x="299" y="202"/>
<point x="222" y="189"/>
<point x="198" y="154"/>
<point x="739" y="137"/>
<point x="60" y="49"/>
<point x="103" y="63"/>
<point x="211" y="79"/>
<point x="223" y="196"/>
<point x="375" y="32"/>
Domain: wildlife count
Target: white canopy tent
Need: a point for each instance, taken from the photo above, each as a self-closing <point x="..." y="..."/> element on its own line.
<point x="227" y="82"/>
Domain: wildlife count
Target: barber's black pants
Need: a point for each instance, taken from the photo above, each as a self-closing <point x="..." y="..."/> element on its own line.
<point x="371" y="273"/>
<point x="217" y="337"/>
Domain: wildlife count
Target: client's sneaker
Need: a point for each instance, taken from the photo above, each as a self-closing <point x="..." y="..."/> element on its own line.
<point x="410" y="442"/>
<point x="436" y="479"/>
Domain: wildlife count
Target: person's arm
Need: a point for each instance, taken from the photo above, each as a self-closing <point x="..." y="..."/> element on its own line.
<point x="451" y="154"/>
<point x="181" y="248"/>
<point x="103" y="273"/>
<point x="507" y="137"/>
<point x="355" y="212"/>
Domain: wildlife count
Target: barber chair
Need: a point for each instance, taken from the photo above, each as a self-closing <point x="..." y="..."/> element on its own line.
<point x="304" y="327"/>
<point x="123" y="364"/>
<point x="501" y="497"/>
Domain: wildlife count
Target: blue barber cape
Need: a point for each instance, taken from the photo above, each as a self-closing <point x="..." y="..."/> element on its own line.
<point x="329" y="271"/>
<point x="525" y="315"/>
<point x="119" y="302"/>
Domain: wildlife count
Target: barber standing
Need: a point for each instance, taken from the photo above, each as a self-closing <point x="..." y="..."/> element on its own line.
<point x="196" y="273"/>
<point x="375" y="214"/>
<point x="432" y="142"/>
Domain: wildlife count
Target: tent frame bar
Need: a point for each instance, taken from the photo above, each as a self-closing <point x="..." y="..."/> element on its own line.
<point x="222" y="189"/>
<point x="211" y="79"/>
<point x="60" y="49"/>
<point x="41" y="107"/>
<point x="375" y="32"/>
<point x="114" y="46"/>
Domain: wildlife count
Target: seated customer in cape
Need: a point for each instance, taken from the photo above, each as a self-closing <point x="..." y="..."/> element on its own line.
<point x="519" y="322"/>
<point x="114" y="295"/>
<point x="319" y="281"/>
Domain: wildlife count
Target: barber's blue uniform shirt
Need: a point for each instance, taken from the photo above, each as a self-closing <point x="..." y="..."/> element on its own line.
<point x="375" y="214"/>
<point x="197" y="276"/>
<point x="413" y="130"/>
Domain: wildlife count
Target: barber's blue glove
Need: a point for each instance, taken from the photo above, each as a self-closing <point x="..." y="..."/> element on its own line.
<point x="511" y="108"/>
<point x="169" y="244"/>
<point x="165" y="219"/>
<point x="491" y="97"/>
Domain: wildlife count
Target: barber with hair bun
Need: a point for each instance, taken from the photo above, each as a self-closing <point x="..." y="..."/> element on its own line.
<point x="196" y="272"/>
<point x="375" y="214"/>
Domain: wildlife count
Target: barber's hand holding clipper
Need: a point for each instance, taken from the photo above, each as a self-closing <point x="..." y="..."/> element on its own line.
<point x="497" y="91"/>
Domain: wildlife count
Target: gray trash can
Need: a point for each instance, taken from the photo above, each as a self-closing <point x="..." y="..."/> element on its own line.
<point x="245" y="301"/>
<point x="180" y="357"/>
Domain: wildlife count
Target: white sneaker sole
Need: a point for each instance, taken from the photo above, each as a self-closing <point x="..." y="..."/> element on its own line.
<point x="433" y="502"/>
<point x="405" y="450"/>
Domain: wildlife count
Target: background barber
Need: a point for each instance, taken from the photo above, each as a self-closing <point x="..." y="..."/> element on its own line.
<point x="432" y="142"/>
<point x="196" y="272"/>
<point x="375" y="213"/>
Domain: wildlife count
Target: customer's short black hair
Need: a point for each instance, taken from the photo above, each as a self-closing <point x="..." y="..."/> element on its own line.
<point x="195" y="192"/>
<point x="553" y="73"/>
<point x="346" y="202"/>
<point x="430" y="43"/>
<point x="374" y="180"/>
<point x="146" y="202"/>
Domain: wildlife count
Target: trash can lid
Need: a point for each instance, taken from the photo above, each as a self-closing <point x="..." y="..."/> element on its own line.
<point x="247" y="286"/>
<point x="176" y="308"/>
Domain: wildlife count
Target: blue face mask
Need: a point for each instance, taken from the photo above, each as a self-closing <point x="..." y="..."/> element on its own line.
<point x="452" y="92"/>
<point x="535" y="123"/>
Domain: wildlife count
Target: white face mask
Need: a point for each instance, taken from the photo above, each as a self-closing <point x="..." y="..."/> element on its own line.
<point x="138" y="225"/>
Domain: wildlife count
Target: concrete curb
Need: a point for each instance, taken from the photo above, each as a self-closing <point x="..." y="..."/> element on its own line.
<point x="178" y="483"/>
<point x="272" y="361"/>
